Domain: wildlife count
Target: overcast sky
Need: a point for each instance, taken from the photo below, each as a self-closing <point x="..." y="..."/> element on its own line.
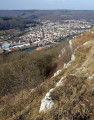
<point x="46" y="4"/>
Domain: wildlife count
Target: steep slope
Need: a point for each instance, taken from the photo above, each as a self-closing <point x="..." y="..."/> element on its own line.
<point x="68" y="95"/>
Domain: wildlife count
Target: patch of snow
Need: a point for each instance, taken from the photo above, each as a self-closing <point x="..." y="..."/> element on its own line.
<point x="91" y="77"/>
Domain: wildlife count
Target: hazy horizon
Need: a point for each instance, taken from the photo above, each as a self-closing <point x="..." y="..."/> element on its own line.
<point x="44" y="9"/>
<point x="47" y="5"/>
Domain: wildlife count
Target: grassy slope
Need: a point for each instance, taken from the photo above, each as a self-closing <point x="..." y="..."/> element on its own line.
<point x="72" y="101"/>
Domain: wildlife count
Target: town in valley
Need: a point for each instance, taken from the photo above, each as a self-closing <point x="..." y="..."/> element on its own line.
<point x="45" y="34"/>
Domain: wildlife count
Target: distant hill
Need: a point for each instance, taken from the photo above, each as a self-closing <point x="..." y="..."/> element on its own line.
<point x="7" y="23"/>
<point x="50" y="14"/>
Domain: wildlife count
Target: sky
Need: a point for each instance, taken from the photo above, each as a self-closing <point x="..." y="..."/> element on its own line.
<point x="46" y="4"/>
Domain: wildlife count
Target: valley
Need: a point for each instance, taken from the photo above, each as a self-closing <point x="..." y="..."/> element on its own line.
<point x="46" y="65"/>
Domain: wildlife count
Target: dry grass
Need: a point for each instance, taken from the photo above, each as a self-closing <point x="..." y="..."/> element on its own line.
<point x="73" y="101"/>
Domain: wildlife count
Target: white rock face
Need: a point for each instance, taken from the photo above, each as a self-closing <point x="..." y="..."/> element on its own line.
<point x="1" y="109"/>
<point x="31" y="90"/>
<point x="63" y="50"/>
<point x="60" y="83"/>
<point x="70" y="44"/>
<point x="59" y="56"/>
<point x="72" y="57"/>
<point x="49" y="93"/>
<point x="74" y="75"/>
<point x="92" y="32"/>
<point x="57" y="73"/>
<point x="85" y="43"/>
<point x="46" y="102"/>
<point x="84" y="69"/>
<point x="91" y="77"/>
<point x="67" y="65"/>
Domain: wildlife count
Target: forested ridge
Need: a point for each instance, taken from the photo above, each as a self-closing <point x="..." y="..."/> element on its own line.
<point x="7" y="23"/>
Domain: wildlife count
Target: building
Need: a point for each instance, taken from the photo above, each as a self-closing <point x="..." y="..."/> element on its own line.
<point x="5" y="46"/>
<point x="0" y="47"/>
